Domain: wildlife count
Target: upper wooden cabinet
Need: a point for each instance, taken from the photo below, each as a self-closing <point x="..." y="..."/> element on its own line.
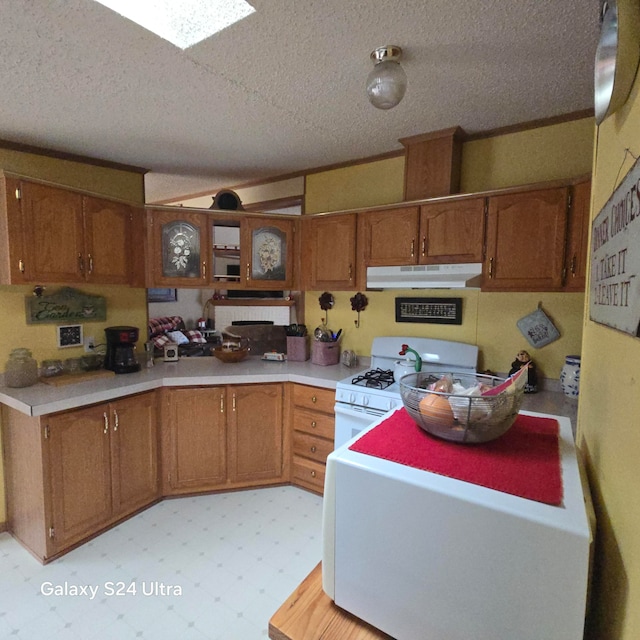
<point x="329" y="252"/>
<point x="179" y="248"/>
<point x="63" y="236"/>
<point x="576" y="255"/>
<point x="447" y="231"/>
<point x="526" y="234"/>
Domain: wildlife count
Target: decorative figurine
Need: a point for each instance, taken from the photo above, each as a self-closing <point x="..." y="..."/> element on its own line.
<point x="523" y="359"/>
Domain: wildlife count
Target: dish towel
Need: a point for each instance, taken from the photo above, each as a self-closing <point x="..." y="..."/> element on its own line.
<point x="524" y="462"/>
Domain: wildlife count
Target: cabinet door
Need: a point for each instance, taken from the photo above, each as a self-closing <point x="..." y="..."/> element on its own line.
<point x="578" y="238"/>
<point x="452" y="232"/>
<point x="330" y="252"/>
<point x="255" y="432"/>
<point x="134" y="452"/>
<point x="180" y="249"/>
<point x="80" y="468"/>
<point x="53" y="234"/>
<point x="197" y="438"/>
<point x="390" y="236"/>
<point x="12" y="252"/>
<point x="525" y="241"/>
<point x="268" y="257"/>
<point x="108" y="241"/>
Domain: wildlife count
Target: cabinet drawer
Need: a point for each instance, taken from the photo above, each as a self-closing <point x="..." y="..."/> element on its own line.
<point x="308" y="473"/>
<point x="313" y="422"/>
<point x="314" y="398"/>
<point x="311" y="446"/>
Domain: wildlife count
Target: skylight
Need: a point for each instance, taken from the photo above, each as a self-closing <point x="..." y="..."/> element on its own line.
<point x="182" y="23"/>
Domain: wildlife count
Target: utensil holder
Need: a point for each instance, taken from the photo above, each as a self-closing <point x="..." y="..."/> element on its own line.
<point x="297" y="348"/>
<point x="325" y="353"/>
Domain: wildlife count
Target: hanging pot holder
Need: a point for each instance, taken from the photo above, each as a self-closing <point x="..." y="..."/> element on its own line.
<point x="538" y="329"/>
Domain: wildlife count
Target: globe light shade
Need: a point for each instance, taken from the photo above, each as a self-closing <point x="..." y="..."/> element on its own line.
<point x="387" y="82"/>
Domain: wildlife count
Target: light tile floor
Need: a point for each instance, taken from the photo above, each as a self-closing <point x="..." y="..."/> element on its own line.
<point x="230" y="559"/>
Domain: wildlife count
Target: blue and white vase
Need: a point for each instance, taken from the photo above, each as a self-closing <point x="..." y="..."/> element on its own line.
<point x="570" y="376"/>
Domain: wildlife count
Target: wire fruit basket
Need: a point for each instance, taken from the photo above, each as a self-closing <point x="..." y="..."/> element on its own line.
<point x="463" y="418"/>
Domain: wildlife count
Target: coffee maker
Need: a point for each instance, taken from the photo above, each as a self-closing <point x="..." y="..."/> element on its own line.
<point x="121" y="349"/>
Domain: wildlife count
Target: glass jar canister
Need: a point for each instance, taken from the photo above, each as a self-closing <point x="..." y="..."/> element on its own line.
<point x="21" y="369"/>
<point x="570" y="376"/>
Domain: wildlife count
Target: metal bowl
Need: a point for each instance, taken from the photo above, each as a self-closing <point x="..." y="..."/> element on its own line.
<point x="461" y="418"/>
<point x="230" y="355"/>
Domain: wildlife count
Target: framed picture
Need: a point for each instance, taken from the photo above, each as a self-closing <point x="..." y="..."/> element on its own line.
<point x="162" y="295"/>
<point x="69" y="335"/>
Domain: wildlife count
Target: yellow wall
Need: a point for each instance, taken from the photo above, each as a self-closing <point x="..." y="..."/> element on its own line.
<point x="113" y="183"/>
<point x="124" y="305"/>
<point x="608" y="423"/>
<point x="489" y="320"/>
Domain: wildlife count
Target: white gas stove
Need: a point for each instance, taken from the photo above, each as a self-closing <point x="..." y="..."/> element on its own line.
<point x="363" y="398"/>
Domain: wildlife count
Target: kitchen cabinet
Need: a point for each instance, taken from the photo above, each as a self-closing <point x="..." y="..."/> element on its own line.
<point x="69" y="475"/>
<point x="180" y="246"/>
<point x="441" y="232"/>
<point x="58" y="235"/>
<point x="525" y="246"/>
<point x="312" y="435"/>
<point x="222" y="437"/>
<point x="577" y="253"/>
<point x="329" y="252"/>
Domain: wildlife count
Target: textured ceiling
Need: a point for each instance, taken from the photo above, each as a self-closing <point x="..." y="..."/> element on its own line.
<point x="283" y="90"/>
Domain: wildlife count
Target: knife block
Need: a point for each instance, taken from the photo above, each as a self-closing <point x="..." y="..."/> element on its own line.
<point x="297" y="348"/>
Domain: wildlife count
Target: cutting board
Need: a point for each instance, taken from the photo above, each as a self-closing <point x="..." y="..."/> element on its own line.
<point x="72" y="378"/>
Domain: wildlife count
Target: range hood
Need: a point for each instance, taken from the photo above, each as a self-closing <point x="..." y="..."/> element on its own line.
<point x="428" y="276"/>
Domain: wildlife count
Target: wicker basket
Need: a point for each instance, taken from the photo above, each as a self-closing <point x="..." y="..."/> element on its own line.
<point x="230" y="355"/>
<point x="461" y="418"/>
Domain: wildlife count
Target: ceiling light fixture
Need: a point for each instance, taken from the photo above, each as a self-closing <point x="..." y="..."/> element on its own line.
<point x="183" y="23"/>
<point x="387" y="82"/>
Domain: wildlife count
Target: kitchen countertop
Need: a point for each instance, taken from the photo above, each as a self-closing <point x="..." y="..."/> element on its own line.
<point x="42" y="399"/>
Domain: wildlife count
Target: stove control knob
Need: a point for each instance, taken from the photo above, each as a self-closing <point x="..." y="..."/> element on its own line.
<point x="352" y="398"/>
<point x="365" y="400"/>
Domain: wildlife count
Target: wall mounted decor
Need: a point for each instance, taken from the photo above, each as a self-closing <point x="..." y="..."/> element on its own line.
<point x="67" y="305"/>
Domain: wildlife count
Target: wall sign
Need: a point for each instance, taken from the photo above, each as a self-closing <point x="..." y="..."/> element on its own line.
<point x="67" y="305"/>
<point x="429" y="310"/>
<point x="615" y="258"/>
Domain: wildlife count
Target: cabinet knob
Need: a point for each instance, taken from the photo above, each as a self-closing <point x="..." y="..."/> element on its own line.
<point x="314" y="424"/>
<point x="314" y="399"/>
<point x="21" y="265"/>
<point x="313" y="474"/>
<point x="313" y="448"/>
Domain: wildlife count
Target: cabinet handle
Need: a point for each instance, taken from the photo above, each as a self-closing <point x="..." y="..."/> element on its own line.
<point x="424" y="245"/>
<point x="204" y="270"/>
<point x="491" y="267"/>
<point x="116" y="422"/>
<point x="350" y="272"/>
<point x="573" y="265"/>
<point x="313" y="474"/>
<point x="90" y="257"/>
<point x="313" y="448"/>
<point x="314" y="399"/>
<point x="247" y="272"/>
<point x="233" y="402"/>
<point x="314" y="424"/>
<point x="106" y="422"/>
<point x="21" y="265"/>
<point x="413" y="247"/>
<point x="80" y="262"/>
<point x="222" y="403"/>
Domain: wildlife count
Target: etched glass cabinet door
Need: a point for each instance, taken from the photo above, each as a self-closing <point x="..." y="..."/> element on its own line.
<point x="180" y="248"/>
<point x="268" y="253"/>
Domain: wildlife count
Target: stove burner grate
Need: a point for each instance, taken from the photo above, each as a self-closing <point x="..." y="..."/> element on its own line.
<point x="375" y="378"/>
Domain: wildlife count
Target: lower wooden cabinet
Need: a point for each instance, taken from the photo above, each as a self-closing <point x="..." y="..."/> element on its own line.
<point x="72" y="474"/>
<point x="312" y="435"/>
<point x="222" y="437"/>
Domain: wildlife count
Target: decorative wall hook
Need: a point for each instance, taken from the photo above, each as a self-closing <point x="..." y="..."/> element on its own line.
<point x="359" y="303"/>
<point x="326" y="302"/>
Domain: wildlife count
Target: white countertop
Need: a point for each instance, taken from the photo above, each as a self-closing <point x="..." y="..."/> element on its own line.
<point x="42" y="399"/>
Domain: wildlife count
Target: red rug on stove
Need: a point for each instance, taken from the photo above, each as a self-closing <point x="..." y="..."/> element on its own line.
<point x="524" y="462"/>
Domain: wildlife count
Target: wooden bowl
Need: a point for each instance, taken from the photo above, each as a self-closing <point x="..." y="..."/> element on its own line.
<point x="230" y="355"/>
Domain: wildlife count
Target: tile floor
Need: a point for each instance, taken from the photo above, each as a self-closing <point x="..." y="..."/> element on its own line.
<point x="210" y="567"/>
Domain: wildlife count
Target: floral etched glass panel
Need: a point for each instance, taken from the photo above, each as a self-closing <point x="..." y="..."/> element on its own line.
<point x="268" y="254"/>
<point x="180" y="250"/>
